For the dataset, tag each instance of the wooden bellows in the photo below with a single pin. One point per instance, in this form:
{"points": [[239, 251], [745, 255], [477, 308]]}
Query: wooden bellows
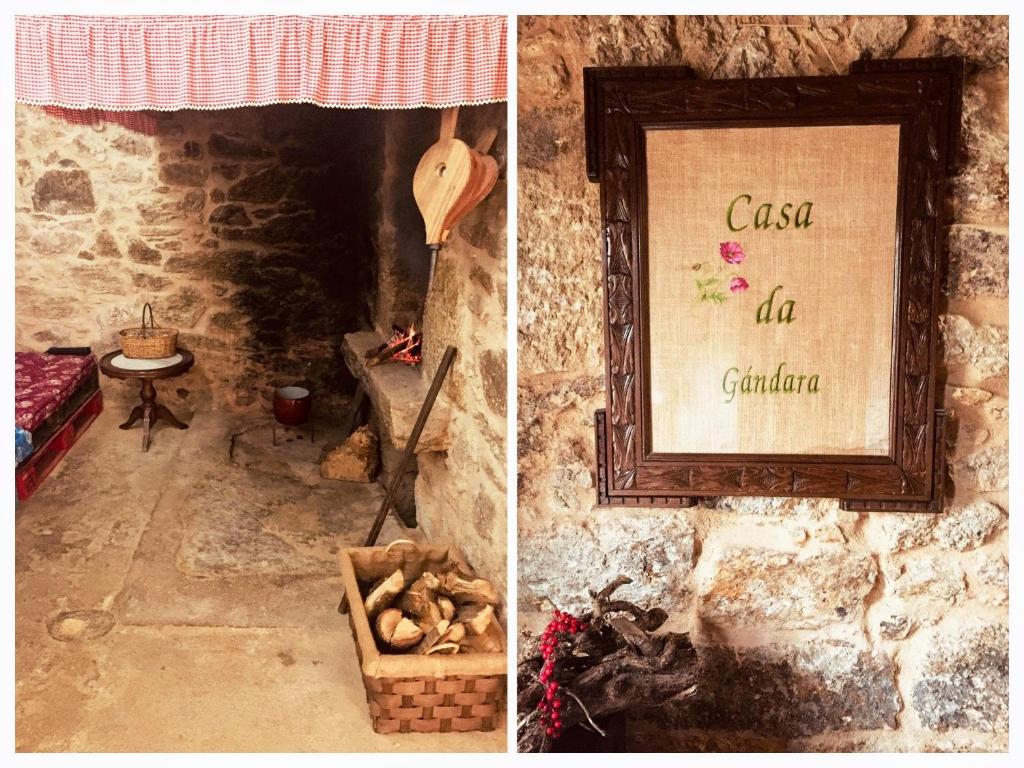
{"points": [[452, 178]]}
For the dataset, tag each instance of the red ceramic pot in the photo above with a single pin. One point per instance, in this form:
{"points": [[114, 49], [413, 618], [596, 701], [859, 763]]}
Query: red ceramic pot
{"points": [[292, 405]]}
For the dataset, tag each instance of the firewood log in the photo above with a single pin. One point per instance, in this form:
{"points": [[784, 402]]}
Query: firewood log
{"points": [[483, 631], [432, 637], [447, 607], [446, 648], [617, 664], [420, 601], [396, 630], [456, 634], [382, 595], [463, 589]]}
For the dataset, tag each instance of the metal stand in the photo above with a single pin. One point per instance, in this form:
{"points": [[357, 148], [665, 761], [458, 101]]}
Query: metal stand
{"points": [[354, 417]]}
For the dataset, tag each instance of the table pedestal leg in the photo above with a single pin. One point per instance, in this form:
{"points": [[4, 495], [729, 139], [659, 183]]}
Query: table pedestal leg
{"points": [[150, 411], [148, 392], [136, 414]]}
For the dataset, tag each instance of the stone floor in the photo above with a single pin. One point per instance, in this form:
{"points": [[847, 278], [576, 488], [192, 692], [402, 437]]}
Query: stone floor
{"points": [[185, 598]]}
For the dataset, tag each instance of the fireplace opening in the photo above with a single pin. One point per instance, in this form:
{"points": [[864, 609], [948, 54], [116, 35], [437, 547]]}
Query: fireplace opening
{"points": [[285, 246]]}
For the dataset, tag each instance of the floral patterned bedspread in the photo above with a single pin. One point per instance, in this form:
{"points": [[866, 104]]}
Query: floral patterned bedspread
{"points": [[42, 382]]}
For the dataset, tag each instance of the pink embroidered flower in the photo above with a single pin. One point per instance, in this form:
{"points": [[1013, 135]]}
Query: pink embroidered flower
{"points": [[738, 284], [732, 252]]}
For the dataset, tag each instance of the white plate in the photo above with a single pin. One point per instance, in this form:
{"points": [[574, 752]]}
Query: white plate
{"points": [[134, 364]]}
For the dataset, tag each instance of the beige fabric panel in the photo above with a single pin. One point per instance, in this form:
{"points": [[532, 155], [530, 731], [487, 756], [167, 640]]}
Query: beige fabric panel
{"points": [[838, 271]]}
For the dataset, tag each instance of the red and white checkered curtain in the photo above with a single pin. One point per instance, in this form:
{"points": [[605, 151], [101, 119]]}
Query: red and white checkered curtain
{"points": [[119, 63]]}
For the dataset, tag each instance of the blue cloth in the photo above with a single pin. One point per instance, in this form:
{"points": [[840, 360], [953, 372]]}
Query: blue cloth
{"points": [[22, 444]]}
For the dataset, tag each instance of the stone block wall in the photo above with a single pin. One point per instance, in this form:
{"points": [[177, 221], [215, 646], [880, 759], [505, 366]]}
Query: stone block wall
{"points": [[460, 493], [248, 229], [819, 629]]}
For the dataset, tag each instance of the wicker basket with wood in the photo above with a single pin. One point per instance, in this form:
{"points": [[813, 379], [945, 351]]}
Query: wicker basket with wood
{"points": [[422, 672], [149, 342]]}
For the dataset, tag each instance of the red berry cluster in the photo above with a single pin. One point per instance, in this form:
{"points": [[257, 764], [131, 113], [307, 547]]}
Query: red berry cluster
{"points": [[558, 629]]}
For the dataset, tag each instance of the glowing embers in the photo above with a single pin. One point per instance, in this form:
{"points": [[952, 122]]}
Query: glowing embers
{"points": [[404, 346]]}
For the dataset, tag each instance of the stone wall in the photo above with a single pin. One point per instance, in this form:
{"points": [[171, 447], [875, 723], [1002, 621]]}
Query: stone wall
{"points": [[820, 629], [461, 493], [248, 229]]}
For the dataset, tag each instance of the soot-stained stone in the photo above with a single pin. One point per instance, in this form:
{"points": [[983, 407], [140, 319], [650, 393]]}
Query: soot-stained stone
{"points": [[227, 171], [303, 155], [160, 212], [234, 146], [964, 680], [63, 192], [282, 229], [106, 246], [292, 206], [266, 186], [230, 322], [141, 253], [788, 691], [193, 202], [481, 277], [230, 214], [181, 309], [494, 377], [184, 174], [151, 282]]}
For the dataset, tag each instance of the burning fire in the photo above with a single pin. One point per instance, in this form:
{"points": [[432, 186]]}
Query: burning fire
{"points": [[409, 344]]}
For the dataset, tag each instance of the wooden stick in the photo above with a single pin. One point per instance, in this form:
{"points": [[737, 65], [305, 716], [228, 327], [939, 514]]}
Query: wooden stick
{"points": [[485, 140], [449, 117], [410, 445]]}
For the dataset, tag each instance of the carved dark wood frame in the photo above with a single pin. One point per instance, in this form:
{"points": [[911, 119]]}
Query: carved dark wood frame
{"points": [[922, 96]]}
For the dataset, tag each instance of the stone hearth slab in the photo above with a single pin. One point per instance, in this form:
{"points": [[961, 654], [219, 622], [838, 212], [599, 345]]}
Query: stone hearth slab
{"points": [[232, 546], [295, 456], [397, 392]]}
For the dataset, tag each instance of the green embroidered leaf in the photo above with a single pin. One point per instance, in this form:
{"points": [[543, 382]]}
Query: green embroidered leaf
{"points": [[708, 290]]}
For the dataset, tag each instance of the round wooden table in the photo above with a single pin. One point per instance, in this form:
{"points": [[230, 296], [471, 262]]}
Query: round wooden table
{"points": [[149, 410]]}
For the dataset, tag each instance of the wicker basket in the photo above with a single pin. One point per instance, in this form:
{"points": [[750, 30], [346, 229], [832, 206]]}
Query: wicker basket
{"points": [[412, 693], [149, 342]]}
